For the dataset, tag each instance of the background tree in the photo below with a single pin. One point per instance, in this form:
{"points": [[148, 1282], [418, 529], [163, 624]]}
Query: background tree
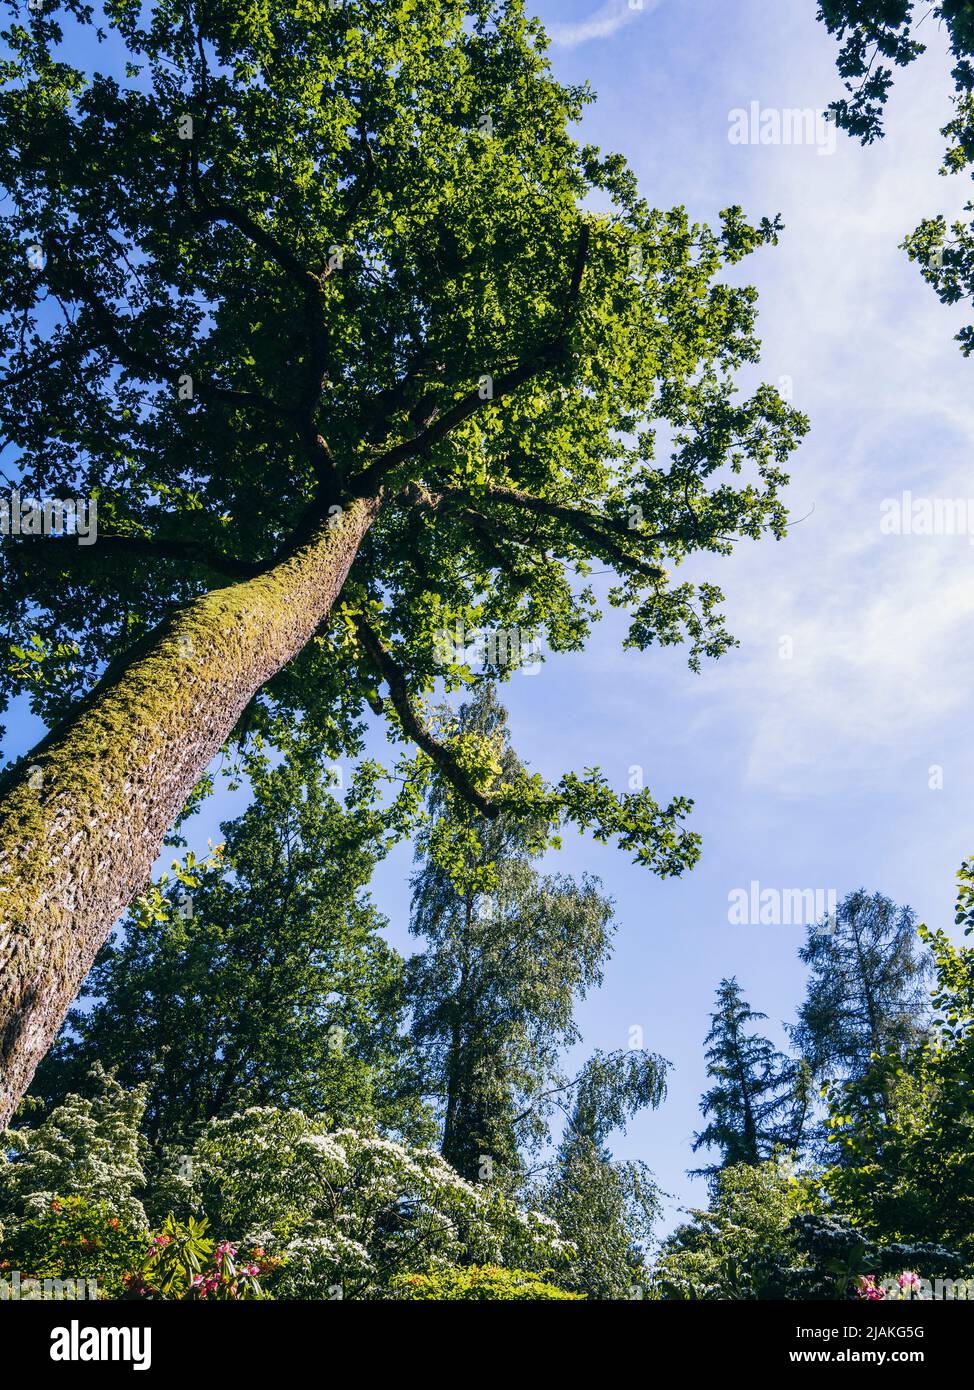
{"points": [[725, 1251], [875, 38], [758, 1101], [905, 1170], [508, 953], [306, 296], [263, 979], [768, 1235], [606, 1209], [867, 986]]}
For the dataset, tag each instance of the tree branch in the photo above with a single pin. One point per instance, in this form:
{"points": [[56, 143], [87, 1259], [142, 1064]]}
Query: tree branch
{"points": [[363, 185], [603, 533], [317, 339], [462, 410], [221, 211], [150, 368], [394, 677], [542, 1096], [50, 353], [394, 398], [474, 400]]}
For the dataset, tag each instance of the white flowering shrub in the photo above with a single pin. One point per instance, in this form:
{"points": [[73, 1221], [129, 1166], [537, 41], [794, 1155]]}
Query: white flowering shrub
{"points": [[89, 1148], [347, 1212], [340, 1214]]}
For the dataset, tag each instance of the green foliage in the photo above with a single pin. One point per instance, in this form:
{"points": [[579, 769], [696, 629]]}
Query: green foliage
{"points": [[727, 1251], [610, 1089], [74, 1238], [71, 1207], [867, 987], [605, 1211], [183, 1262], [508, 953], [769, 1235], [310, 253], [828, 1258], [303, 1212], [34, 664], [479, 1282], [258, 976], [904, 1170], [176, 1256], [870, 33]]}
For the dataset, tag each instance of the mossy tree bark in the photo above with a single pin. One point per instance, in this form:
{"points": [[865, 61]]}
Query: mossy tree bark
{"points": [[84, 817]]}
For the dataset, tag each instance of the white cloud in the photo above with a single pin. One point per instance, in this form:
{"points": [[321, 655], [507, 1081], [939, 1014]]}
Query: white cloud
{"points": [[881, 674], [878, 671], [813, 769], [606, 21]]}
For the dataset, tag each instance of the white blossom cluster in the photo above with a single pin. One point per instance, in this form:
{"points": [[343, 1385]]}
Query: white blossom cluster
{"points": [[343, 1212], [348, 1210], [85, 1147]]}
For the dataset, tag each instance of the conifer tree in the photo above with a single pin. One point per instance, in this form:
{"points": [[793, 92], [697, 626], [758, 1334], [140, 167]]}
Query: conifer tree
{"points": [[758, 1099], [867, 987]]}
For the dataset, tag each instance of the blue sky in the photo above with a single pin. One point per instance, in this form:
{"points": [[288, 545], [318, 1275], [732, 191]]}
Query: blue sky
{"points": [[812, 771]]}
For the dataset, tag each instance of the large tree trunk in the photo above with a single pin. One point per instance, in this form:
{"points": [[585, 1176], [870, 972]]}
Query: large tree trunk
{"points": [[82, 822]]}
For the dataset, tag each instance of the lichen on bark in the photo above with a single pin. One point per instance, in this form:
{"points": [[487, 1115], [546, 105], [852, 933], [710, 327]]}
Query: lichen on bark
{"points": [[84, 817]]}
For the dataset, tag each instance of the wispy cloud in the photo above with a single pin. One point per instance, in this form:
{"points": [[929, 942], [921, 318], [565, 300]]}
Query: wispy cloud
{"points": [[612, 16], [810, 760]]}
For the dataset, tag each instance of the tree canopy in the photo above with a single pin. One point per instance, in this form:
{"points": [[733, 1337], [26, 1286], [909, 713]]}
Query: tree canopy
{"points": [[867, 986], [358, 350], [297, 252]]}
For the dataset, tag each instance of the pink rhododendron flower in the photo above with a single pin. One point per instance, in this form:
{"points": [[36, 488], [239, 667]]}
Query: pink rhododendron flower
{"points": [[868, 1288]]}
